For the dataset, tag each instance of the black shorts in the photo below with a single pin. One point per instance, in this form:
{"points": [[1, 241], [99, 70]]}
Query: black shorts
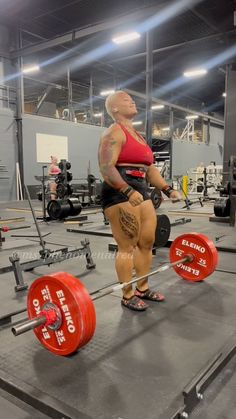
{"points": [[110, 196]]}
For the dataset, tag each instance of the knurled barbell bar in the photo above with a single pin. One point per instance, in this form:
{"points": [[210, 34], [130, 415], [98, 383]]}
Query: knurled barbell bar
{"points": [[61, 311]]}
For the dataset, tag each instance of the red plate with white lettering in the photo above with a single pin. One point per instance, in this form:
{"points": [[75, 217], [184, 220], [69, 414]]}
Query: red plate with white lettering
{"points": [[204, 253], [76, 308]]}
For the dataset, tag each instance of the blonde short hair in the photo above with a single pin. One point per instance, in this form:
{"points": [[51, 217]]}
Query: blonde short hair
{"points": [[109, 103]]}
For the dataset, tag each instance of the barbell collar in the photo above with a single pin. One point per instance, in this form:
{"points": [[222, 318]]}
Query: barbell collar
{"points": [[50, 316]]}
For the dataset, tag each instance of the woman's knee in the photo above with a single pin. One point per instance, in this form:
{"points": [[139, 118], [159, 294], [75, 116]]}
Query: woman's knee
{"points": [[146, 242]]}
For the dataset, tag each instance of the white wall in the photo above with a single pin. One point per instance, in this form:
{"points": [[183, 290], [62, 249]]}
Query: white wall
{"points": [[83, 143], [187, 155]]}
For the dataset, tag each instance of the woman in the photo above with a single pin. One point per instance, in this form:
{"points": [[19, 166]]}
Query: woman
{"points": [[126, 164], [53, 171]]}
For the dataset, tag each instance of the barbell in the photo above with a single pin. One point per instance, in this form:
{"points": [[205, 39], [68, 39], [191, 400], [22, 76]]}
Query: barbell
{"points": [[61, 311]]}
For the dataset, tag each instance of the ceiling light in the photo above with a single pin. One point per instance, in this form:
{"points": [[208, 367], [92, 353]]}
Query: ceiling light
{"points": [[137, 123], [166, 129], [107, 92], [192, 117], [224, 94], [121, 39], [157, 107], [195, 73], [97, 115], [30, 69]]}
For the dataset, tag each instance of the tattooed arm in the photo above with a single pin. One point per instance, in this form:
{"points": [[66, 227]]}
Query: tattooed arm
{"points": [[109, 149]]}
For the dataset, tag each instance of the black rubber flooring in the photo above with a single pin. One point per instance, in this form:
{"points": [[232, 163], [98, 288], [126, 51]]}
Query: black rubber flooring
{"points": [[219, 400], [137, 363], [13, 408]]}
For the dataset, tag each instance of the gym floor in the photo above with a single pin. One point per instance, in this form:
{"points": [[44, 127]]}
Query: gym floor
{"points": [[137, 364]]}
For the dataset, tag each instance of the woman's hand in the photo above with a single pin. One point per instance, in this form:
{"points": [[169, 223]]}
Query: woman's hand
{"points": [[135, 198], [175, 196]]}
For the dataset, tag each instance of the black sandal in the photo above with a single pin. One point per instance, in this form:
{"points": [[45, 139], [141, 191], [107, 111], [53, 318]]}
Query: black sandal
{"points": [[149, 295], [134, 303]]}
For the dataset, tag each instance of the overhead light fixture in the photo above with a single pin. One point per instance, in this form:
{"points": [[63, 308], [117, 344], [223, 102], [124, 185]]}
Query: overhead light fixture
{"points": [[30, 69], [192, 117], [166, 129], [137, 123], [154, 107], [97, 115], [121, 39], [195, 73], [107, 92], [224, 94]]}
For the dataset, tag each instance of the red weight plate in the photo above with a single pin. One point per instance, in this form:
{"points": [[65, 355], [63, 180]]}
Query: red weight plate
{"points": [[76, 307], [204, 253]]}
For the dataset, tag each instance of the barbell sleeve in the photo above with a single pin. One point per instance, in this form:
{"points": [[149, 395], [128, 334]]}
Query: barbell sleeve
{"points": [[162, 268], [28, 325]]}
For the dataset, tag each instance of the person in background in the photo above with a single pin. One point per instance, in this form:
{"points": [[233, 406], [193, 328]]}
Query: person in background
{"points": [[127, 165], [53, 171]]}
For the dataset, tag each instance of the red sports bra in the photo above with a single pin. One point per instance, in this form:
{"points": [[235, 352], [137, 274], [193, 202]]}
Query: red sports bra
{"points": [[135, 152], [55, 170]]}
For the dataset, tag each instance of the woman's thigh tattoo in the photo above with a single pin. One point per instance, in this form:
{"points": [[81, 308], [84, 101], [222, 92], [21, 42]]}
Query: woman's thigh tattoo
{"points": [[129, 224]]}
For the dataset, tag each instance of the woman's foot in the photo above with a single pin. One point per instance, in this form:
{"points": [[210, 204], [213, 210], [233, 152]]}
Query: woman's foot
{"points": [[149, 295], [134, 303]]}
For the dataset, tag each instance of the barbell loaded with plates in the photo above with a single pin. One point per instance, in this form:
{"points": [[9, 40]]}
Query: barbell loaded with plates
{"points": [[61, 311]]}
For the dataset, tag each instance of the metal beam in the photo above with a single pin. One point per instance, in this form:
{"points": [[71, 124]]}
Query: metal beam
{"points": [[204, 20], [149, 85], [4, 54], [57, 9], [18, 116], [57, 86], [174, 106], [81, 33], [230, 119], [169, 47], [171, 124], [42, 98]]}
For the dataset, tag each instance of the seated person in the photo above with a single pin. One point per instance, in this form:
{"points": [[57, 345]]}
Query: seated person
{"points": [[53, 171]]}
